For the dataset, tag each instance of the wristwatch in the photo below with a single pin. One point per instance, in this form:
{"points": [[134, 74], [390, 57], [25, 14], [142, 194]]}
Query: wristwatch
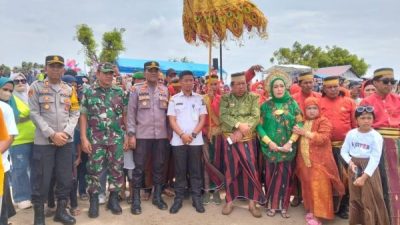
{"points": [[131, 134], [194, 135]]}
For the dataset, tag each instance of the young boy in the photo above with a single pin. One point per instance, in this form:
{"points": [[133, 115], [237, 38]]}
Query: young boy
{"points": [[362, 151]]}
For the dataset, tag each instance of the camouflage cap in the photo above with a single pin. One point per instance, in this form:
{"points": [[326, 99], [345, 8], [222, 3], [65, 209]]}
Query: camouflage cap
{"points": [[105, 67]]}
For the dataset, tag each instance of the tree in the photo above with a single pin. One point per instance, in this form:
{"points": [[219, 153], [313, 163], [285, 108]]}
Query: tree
{"points": [[185, 59], [317, 57], [27, 67], [112, 44]]}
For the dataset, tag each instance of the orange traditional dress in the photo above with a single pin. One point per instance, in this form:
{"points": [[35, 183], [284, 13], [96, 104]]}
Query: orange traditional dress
{"points": [[316, 167]]}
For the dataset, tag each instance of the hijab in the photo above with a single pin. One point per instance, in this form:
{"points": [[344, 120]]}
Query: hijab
{"points": [[285, 98], [312, 101], [11, 101], [21, 95]]}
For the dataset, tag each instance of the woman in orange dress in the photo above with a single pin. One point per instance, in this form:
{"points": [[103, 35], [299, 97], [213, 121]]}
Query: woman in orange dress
{"points": [[315, 166]]}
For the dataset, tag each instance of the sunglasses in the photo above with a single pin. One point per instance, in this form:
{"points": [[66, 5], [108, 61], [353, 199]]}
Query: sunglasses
{"points": [[388, 80], [367, 108], [17, 81]]}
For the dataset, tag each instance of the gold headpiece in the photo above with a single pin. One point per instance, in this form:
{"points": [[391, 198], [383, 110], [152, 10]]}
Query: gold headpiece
{"points": [[277, 73]]}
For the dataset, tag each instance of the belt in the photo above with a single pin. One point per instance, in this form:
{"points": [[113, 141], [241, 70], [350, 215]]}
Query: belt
{"points": [[245, 138], [337, 144], [389, 132]]}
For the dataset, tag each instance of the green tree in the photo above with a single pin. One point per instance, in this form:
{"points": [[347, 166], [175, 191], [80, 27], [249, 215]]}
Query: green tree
{"points": [[317, 57], [112, 44], [26, 67], [185, 59]]}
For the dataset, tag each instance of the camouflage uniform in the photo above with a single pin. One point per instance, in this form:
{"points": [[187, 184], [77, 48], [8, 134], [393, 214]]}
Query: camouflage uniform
{"points": [[105, 108]]}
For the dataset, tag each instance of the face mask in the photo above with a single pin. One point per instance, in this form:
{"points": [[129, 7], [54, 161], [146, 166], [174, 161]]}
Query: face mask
{"points": [[5, 95]]}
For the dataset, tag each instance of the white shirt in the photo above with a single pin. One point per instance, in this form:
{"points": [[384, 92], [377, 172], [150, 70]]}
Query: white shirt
{"points": [[9, 119], [363, 145], [187, 110]]}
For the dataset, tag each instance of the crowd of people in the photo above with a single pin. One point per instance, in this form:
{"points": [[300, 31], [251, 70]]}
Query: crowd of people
{"points": [[273, 143]]}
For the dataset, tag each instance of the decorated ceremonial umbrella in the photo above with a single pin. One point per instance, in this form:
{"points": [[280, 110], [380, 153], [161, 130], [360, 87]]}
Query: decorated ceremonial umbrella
{"points": [[215, 21]]}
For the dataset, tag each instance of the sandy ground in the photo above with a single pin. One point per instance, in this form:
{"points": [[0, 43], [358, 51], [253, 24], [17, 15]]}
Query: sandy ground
{"points": [[186, 216]]}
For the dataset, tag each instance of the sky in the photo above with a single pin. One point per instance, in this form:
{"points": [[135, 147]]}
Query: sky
{"points": [[32, 29]]}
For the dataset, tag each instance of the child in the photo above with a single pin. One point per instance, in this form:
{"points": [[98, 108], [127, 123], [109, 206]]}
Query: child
{"points": [[362, 150]]}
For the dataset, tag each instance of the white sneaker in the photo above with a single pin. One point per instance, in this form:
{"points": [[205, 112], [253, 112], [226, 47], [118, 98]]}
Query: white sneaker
{"points": [[102, 199], [24, 204]]}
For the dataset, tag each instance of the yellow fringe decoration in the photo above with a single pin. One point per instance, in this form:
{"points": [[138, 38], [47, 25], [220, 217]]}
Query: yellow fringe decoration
{"points": [[208, 20], [305, 144]]}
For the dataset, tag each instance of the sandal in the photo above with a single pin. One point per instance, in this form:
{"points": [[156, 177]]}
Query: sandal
{"points": [[285, 214], [309, 216], [314, 221], [75, 211], [271, 212]]}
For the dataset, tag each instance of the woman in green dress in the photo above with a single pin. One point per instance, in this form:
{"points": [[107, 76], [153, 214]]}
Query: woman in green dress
{"points": [[278, 117]]}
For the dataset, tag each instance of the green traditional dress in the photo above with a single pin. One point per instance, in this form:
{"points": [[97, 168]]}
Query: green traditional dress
{"points": [[278, 116]]}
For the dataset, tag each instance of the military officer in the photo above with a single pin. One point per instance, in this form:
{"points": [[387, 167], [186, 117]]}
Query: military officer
{"points": [[103, 110], [147, 131], [55, 112]]}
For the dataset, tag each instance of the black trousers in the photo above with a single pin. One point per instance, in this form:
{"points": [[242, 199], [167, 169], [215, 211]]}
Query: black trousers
{"points": [[158, 149], [45, 159], [188, 161]]}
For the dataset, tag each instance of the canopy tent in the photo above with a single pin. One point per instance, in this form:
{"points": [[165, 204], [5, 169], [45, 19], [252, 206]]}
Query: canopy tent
{"points": [[126, 65]]}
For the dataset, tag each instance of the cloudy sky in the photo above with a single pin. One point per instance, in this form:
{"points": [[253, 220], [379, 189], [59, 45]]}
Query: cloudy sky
{"points": [[32, 29]]}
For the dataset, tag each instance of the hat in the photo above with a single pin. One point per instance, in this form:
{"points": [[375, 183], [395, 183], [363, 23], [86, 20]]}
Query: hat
{"points": [[332, 80], [383, 72], [105, 67], [151, 64], [52, 59], [68, 79], [138, 75], [170, 71], [306, 76]]}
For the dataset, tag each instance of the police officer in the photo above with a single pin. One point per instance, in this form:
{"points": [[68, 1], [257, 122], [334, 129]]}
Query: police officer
{"points": [[55, 112], [187, 113], [103, 109], [147, 131]]}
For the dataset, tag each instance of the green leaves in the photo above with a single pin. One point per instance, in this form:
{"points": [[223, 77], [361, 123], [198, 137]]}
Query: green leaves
{"points": [[317, 57], [112, 44]]}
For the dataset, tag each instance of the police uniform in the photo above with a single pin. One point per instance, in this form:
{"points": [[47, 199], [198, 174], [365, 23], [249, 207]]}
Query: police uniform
{"points": [[54, 108], [187, 156], [147, 121]]}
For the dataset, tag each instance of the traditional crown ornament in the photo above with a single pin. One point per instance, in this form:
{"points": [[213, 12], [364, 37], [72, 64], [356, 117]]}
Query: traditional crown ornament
{"points": [[277, 73]]}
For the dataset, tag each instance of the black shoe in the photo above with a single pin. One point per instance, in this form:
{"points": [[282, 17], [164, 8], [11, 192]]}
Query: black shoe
{"points": [[343, 213], [61, 214], [38, 210], [198, 205], [135, 206], [93, 206], [176, 206], [157, 199], [113, 203]]}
